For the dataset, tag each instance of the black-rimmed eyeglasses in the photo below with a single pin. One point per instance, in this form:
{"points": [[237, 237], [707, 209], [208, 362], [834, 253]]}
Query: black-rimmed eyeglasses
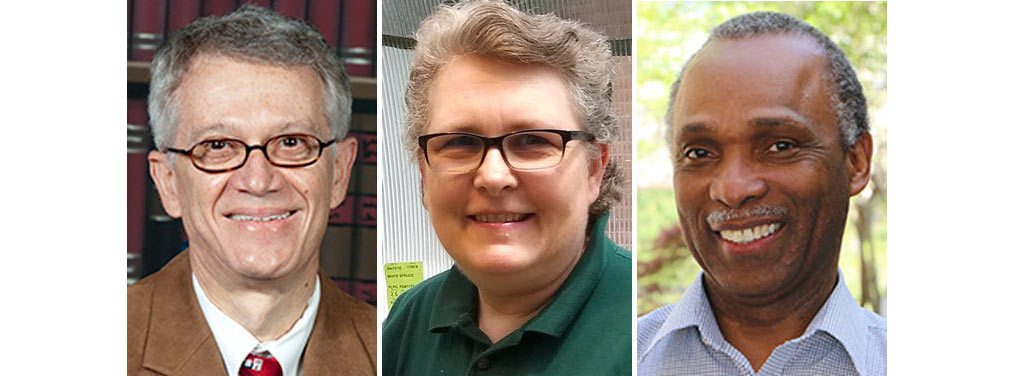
{"points": [[530, 149], [226, 154]]}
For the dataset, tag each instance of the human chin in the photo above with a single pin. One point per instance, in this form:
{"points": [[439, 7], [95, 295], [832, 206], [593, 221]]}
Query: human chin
{"points": [[263, 244], [497, 244], [494, 260]]}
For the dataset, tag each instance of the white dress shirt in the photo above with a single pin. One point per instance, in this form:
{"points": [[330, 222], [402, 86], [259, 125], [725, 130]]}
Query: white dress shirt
{"points": [[235, 342]]}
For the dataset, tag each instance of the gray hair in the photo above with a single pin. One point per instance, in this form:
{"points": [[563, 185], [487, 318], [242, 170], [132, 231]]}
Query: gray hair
{"points": [[253, 34], [847, 99], [494, 29], [720, 216]]}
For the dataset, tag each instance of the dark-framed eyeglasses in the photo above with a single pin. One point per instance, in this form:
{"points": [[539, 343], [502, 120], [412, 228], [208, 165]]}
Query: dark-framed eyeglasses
{"points": [[530, 149], [226, 154]]}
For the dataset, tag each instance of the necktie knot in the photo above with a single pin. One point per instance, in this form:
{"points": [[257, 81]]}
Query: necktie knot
{"points": [[260, 364]]}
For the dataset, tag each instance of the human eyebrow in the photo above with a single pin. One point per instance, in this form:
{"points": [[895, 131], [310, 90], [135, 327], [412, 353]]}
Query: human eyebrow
{"points": [[298, 126], [791, 122], [217, 129], [696, 128], [453, 127]]}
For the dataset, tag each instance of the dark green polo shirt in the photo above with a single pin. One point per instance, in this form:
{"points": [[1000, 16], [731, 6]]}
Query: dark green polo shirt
{"points": [[584, 330]]}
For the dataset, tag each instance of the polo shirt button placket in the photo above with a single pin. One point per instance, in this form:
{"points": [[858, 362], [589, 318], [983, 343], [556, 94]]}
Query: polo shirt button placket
{"points": [[483, 364]]}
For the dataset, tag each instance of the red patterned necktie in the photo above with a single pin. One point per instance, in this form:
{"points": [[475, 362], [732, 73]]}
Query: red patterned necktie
{"points": [[260, 364]]}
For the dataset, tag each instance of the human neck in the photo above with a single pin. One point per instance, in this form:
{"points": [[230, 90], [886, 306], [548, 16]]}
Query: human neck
{"points": [[502, 312], [757, 328], [267, 309]]}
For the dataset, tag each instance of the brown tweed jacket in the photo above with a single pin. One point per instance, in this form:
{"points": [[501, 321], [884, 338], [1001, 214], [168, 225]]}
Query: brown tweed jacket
{"points": [[168, 335]]}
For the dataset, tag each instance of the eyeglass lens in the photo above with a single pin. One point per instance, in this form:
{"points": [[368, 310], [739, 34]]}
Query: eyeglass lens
{"points": [[457, 153], [284, 150]]}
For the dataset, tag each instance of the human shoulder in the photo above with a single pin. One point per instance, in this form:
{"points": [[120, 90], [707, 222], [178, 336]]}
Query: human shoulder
{"points": [[356, 309], [877, 336], [139, 311], [620, 252], [874, 321], [616, 278], [419, 298], [618, 260], [649, 326]]}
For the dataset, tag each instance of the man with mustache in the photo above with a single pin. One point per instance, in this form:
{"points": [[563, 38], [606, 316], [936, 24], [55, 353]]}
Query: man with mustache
{"points": [[769, 138]]}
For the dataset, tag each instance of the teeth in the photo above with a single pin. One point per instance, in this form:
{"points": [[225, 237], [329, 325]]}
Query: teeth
{"points": [[491, 218], [751, 234], [241, 217]]}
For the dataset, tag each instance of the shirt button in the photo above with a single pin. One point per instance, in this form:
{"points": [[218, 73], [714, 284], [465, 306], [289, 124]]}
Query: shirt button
{"points": [[483, 363]]}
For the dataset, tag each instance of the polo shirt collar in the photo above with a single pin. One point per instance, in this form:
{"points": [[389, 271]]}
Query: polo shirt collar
{"points": [[455, 304]]}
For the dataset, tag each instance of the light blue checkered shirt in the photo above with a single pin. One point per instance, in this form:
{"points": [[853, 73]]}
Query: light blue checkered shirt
{"points": [[684, 339]]}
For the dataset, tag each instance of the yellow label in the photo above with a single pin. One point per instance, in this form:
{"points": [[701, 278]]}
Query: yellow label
{"points": [[401, 276]]}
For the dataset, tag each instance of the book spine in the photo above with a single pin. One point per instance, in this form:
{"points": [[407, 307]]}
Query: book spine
{"points": [[137, 178], [292, 8], [182, 13], [217, 7], [324, 15], [359, 18], [164, 235], [130, 28], [149, 27]]}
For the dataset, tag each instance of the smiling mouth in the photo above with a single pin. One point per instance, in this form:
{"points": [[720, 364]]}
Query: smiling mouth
{"points": [[500, 218], [277, 217], [751, 234]]}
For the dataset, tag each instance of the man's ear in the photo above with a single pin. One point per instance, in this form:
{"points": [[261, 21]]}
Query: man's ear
{"points": [[858, 163], [165, 181], [597, 169], [345, 155]]}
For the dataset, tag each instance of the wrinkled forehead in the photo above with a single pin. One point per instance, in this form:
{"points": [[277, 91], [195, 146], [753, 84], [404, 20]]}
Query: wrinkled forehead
{"points": [[224, 91], [769, 71]]}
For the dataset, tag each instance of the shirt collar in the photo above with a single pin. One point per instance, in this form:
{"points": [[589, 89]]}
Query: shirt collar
{"points": [[455, 304], [693, 310], [846, 321], [840, 316], [235, 342]]}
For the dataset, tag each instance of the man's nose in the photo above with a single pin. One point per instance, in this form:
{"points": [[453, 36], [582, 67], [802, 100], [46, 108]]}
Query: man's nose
{"points": [[257, 176], [737, 181], [494, 175]]}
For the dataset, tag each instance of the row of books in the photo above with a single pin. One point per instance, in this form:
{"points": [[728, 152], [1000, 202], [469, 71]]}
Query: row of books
{"points": [[349, 26]]}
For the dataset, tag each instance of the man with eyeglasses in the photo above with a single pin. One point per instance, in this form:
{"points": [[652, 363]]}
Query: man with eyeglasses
{"points": [[509, 122], [249, 115]]}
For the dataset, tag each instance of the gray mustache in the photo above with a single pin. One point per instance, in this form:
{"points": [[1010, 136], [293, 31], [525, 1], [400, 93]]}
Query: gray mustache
{"points": [[728, 215]]}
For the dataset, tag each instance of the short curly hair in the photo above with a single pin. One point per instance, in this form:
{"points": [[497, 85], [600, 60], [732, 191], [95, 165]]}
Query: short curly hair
{"points": [[494, 29]]}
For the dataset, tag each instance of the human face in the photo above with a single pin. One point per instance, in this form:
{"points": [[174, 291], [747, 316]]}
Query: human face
{"points": [[260, 221], [499, 224], [757, 149]]}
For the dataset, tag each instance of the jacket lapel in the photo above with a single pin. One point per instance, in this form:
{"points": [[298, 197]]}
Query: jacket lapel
{"points": [[338, 341], [179, 340]]}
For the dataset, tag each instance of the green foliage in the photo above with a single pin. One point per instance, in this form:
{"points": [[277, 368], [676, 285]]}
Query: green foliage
{"points": [[667, 35], [665, 267]]}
